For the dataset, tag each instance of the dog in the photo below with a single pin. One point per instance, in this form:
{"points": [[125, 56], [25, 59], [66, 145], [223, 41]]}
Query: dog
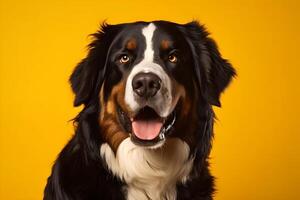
{"points": [[146, 127]]}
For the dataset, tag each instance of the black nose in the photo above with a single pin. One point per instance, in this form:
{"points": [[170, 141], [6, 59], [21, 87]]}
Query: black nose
{"points": [[146, 85]]}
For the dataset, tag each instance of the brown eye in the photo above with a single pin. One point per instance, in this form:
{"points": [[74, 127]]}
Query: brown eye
{"points": [[172, 58], [124, 59]]}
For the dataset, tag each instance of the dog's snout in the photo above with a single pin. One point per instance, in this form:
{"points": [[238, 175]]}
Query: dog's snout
{"points": [[146, 85]]}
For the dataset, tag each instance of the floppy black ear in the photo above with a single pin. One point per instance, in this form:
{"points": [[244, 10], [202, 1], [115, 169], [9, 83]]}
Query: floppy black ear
{"points": [[88, 75], [81, 81], [213, 72], [220, 72]]}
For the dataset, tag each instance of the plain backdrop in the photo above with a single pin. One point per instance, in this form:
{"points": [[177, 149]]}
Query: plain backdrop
{"points": [[255, 153]]}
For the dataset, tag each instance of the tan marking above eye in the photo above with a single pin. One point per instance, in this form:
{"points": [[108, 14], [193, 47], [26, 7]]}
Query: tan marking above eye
{"points": [[124, 59], [131, 44], [173, 58], [165, 44]]}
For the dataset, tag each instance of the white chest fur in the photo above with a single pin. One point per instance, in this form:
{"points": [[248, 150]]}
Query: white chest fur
{"points": [[149, 173]]}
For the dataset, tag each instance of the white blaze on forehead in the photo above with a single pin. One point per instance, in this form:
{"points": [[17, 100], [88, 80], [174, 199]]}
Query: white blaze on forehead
{"points": [[148, 34], [163, 99]]}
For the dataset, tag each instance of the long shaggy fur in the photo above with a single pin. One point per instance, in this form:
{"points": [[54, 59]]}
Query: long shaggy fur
{"points": [[88, 169]]}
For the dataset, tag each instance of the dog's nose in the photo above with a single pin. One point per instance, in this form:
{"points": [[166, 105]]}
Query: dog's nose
{"points": [[146, 85]]}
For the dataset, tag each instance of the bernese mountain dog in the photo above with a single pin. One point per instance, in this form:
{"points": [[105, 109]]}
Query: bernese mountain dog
{"points": [[146, 127]]}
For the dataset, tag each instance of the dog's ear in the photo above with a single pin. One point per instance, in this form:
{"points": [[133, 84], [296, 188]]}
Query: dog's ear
{"points": [[213, 72], [89, 74]]}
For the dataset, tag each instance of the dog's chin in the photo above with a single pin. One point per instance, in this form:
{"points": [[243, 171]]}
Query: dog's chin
{"points": [[146, 128]]}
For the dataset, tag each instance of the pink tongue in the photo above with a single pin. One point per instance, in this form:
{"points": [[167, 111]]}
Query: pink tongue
{"points": [[146, 129]]}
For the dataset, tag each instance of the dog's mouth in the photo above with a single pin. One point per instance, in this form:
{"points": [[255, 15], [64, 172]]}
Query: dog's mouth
{"points": [[147, 128]]}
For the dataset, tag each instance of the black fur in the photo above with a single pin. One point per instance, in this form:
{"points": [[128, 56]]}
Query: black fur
{"points": [[79, 173], [216, 72]]}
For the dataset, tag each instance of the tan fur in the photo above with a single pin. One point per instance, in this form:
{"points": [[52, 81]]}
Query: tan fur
{"points": [[131, 44], [165, 44], [112, 131]]}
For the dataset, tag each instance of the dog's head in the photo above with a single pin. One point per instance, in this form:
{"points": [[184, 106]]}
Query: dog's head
{"points": [[149, 79]]}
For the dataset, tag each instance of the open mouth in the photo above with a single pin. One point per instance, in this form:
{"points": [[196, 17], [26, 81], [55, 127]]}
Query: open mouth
{"points": [[147, 128]]}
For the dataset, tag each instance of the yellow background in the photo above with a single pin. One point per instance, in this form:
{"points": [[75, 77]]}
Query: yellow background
{"points": [[256, 152]]}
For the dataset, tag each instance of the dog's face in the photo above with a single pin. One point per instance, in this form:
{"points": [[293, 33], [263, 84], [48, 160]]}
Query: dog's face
{"points": [[149, 78], [151, 68]]}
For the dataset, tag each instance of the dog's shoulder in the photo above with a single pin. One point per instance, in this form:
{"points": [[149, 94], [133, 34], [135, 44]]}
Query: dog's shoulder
{"points": [[76, 173]]}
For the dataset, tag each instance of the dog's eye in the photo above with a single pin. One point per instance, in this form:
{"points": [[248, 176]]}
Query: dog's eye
{"points": [[124, 59], [173, 58]]}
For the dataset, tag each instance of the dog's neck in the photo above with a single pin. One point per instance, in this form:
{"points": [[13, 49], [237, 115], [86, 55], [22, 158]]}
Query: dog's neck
{"points": [[149, 173]]}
